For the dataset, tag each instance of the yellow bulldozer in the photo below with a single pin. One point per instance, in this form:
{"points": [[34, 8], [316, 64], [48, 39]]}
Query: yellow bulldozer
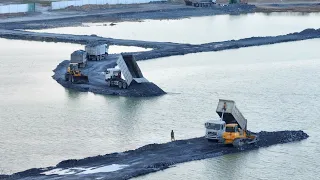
{"points": [[238, 137], [74, 75]]}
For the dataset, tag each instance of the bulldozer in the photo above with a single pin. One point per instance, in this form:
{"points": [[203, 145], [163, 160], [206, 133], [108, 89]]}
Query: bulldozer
{"points": [[236, 132], [238, 137], [74, 75]]}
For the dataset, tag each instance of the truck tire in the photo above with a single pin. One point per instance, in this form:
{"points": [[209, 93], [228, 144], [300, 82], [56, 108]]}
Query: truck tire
{"points": [[120, 84], [124, 85], [196, 4], [72, 79]]}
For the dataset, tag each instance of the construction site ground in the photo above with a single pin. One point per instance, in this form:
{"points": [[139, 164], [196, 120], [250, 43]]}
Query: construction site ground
{"points": [[150, 158], [101, 13], [95, 69], [95, 72]]}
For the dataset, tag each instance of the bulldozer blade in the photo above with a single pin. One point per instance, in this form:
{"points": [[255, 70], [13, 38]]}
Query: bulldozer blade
{"points": [[80, 79]]}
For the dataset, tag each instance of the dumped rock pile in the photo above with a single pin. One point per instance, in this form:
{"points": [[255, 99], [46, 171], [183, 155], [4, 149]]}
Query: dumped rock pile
{"points": [[97, 84], [155, 157]]}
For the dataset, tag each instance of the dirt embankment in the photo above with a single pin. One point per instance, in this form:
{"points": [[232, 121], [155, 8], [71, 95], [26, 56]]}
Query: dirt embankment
{"points": [[298, 6], [46, 18], [95, 71], [141, 12], [161, 49], [150, 158]]}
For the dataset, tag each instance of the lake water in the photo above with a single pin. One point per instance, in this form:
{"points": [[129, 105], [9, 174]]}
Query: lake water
{"points": [[275, 87], [198, 30]]}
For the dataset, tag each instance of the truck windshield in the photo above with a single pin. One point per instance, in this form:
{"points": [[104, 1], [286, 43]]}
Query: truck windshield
{"points": [[229, 129], [213, 126]]}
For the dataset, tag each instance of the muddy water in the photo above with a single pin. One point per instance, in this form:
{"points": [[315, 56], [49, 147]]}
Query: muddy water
{"points": [[276, 88], [43, 123], [199, 30]]}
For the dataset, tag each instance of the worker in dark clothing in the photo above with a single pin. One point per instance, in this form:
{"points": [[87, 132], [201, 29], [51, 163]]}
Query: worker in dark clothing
{"points": [[172, 136], [224, 106]]}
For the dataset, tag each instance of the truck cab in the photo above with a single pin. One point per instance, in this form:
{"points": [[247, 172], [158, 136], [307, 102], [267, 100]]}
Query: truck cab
{"points": [[113, 73], [74, 75], [233, 131], [214, 129], [113, 78], [73, 68]]}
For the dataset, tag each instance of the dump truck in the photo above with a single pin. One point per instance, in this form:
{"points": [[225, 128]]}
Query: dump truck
{"points": [[80, 57], [74, 75], [97, 51], [200, 3], [236, 132], [113, 78], [126, 72], [215, 129]]}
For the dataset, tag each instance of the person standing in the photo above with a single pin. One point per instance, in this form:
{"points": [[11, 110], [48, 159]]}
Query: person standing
{"points": [[172, 136]]}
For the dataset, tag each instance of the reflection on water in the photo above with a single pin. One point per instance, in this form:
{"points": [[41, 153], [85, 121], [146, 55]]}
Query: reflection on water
{"points": [[119, 49], [42, 123], [197, 30], [274, 86]]}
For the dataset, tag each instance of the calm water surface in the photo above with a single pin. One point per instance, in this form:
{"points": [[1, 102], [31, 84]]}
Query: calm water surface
{"points": [[276, 88], [197, 30]]}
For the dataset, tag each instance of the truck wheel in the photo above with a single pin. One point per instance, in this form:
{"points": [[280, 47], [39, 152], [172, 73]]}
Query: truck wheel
{"points": [[72, 79], [120, 84], [124, 85]]}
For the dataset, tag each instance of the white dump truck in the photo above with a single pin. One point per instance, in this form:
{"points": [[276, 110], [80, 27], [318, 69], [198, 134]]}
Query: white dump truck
{"points": [[79, 57], [215, 129], [97, 51], [125, 73]]}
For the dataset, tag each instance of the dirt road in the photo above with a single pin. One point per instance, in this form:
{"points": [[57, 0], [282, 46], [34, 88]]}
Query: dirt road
{"points": [[150, 158]]}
